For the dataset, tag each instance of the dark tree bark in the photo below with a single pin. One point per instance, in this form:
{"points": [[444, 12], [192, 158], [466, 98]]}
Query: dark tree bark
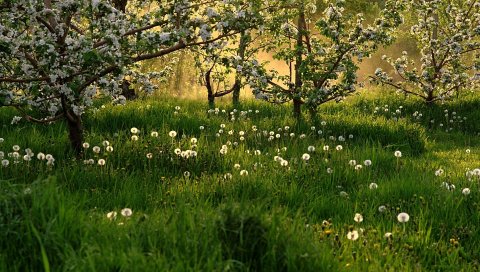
{"points": [[208, 85], [121, 5], [128, 92], [242, 48], [75, 132], [297, 101]]}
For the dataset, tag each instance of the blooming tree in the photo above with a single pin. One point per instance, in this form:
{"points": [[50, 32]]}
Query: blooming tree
{"points": [[322, 56], [218, 63], [58, 56], [448, 36]]}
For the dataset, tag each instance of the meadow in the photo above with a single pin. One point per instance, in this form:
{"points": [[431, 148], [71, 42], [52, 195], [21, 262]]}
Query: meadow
{"points": [[376, 183]]}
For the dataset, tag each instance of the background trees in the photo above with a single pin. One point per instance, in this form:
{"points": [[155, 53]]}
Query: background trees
{"points": [[448, 35], [322, 56], [57, 56]]}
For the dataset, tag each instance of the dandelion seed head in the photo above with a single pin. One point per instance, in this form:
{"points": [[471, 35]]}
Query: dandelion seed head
{"points": [[403, 217], [358, 218], [127, 212], [352, 235]]}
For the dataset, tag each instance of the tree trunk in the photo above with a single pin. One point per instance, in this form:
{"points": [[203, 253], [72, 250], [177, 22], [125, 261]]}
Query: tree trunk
{"points": [[120, 4], [297, 101], [430, 98], [297, 108], [75, 132], [238, 77], [128, 92], [208, 85]]}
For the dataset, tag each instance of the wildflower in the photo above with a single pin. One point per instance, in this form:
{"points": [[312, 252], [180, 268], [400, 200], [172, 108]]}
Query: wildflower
{"points": [[311, 148], [352, 235], [101, 162], [236, 166], [244, 173], [329, 170], [96, 149], [326, 147], [16, 148], [5, 163], [339, 147], [305, 157], [50, 162], [373, 186], [202, 127], [127, 212], [367, 162], [27, 158], [439, 172], [466, 191], [227, 176], [358, 167], [193, 141], [388, 235], [86, 145], [112, 215], [352, 162], [2, 140], [284, 163], [257, 152], [467, 151], [41, 156], [134, 138], [134, 130], [149, 155], [382, 209], [343, 194], [398, 154], [105, 143], [358, 218], [186, 174], [49, 157], [172, 134], [154, 134], [403, 217], [109, 148]]}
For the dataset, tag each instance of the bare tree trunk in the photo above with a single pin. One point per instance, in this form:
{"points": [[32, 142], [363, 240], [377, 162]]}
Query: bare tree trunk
{"points": [[75, 132], [297, 108], [121, 5], [297, 101], [211, 95], [238, 77], [128, 92]]}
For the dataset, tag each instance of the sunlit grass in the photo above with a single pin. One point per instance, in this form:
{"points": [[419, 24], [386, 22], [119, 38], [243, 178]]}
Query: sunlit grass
{"points": [[200, 213]]}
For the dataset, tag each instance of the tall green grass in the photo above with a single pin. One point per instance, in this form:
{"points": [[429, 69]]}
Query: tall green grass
{"points": [[276, 218]]}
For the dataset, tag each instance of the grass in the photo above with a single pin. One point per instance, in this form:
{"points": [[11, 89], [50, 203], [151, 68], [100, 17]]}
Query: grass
{"points": [[189, 215]]}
